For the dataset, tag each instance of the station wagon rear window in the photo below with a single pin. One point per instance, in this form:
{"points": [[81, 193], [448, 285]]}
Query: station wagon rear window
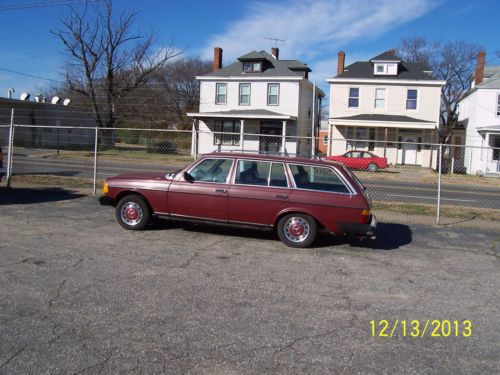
{"points": [[317, 178]]}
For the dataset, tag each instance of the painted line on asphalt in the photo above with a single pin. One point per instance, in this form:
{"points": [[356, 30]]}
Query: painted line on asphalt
{"points": [[420, 197]]}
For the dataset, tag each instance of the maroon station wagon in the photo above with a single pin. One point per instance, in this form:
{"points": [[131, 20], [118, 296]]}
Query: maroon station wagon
{"points": [[296, 196]]}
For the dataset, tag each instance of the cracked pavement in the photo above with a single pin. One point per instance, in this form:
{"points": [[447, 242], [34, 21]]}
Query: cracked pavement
{"points": [[81, 295]]}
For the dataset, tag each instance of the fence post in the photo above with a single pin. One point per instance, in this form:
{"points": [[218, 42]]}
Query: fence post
{"points": [[10, 153], [440, 158], [95, 159]]}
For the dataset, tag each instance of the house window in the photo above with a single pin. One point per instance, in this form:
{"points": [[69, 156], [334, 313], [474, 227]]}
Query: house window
{"points": [[350, 137], [223, 130], [353, 97], [325, 140], [411, 99], [495, 143], [244, 94], [498, 105], [380, 68], [361, 136], [273, 93], [220, 93], [251, 67], [371, 145], [379, 98]]}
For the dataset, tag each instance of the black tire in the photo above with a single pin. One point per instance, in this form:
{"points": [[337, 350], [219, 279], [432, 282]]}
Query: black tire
{"points": [[372, 167], [132, 212], [297, 230]]}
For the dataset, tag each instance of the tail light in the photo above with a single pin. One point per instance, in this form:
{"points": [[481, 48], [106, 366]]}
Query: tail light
{"points": [[365, 216]]}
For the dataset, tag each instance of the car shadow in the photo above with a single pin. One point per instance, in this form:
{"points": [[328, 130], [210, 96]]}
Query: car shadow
{"points": [[389, 236], [35, 195]]}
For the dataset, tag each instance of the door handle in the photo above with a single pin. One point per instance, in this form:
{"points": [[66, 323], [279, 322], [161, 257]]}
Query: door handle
{"points": [[220, 190], [281, 196]]}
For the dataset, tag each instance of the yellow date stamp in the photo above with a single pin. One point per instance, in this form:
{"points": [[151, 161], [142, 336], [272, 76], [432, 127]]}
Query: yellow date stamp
{"points": [[421, 328]]}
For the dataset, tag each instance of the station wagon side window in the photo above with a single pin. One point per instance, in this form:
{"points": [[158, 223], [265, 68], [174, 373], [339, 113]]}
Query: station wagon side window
{"points": [[212, 170], [251, 172], [260, 173], [317, 178]]}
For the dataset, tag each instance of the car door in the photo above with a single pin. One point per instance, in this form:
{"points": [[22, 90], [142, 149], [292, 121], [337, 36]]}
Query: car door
{"points": [[260, 189], [204, 193]]}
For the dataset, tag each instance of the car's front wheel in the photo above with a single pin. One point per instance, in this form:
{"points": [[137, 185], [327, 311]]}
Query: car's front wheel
{"points": [[297, 230], [132, 212], [372, 167]]}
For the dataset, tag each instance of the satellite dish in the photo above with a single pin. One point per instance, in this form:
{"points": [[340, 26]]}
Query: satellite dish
{"points": [[55, 100], [66, 101], [24, 96]]}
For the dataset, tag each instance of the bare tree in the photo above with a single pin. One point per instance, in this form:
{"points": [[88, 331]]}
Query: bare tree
{"points": [[452, 62], [107, 60]]}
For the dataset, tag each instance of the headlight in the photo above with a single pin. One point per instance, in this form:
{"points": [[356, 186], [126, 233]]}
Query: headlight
{"points": [[105, 187]]}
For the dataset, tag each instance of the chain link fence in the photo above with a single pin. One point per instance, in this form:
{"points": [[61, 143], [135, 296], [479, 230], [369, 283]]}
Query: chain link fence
{"points": [[81, 157]]}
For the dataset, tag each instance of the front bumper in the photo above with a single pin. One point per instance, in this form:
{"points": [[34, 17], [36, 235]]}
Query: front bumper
{"points": [[104, 200], [363, 230]]}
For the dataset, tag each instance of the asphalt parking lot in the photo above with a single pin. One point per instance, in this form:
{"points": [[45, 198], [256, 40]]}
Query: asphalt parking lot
{"points": [[80, 295]]}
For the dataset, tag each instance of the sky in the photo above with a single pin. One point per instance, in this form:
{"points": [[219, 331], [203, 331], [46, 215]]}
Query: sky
{"points": [[313, 31]]}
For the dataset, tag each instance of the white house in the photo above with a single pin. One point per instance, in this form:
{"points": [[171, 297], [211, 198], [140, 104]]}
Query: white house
{"points": [[257, 104], [479, 113], [385, 105]]}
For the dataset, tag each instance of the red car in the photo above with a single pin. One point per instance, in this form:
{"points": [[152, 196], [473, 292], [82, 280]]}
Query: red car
{"points": [[361, 160], [295, 196]]}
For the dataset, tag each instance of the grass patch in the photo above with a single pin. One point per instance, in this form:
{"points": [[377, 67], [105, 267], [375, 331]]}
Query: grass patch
{"points": [[454, 212]]}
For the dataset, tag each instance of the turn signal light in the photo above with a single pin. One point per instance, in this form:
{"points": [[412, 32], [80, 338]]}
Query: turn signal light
{"points": [[105, 187], [365, 215]]}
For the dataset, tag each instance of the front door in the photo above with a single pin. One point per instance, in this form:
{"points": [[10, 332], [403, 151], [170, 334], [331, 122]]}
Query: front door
{"points": [[270, 141], [410, 150], [205, 194]]}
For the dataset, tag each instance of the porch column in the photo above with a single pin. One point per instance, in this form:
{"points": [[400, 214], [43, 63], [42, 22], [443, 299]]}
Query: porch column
{"points": [[329, 147], [283, 138], [242, 131], [385, 142], [488, 151]]}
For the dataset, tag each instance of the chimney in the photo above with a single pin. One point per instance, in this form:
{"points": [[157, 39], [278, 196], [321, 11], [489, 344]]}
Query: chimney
{"points": [[340, 63], [217, 58], [391, 51], [275, 51], [479, 67]]}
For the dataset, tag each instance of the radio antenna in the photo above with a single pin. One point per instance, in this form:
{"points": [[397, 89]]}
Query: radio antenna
{"points": [[276, 41]]}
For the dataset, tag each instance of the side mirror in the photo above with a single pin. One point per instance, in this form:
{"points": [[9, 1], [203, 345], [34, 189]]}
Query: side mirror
{"points": [[188, 177]]}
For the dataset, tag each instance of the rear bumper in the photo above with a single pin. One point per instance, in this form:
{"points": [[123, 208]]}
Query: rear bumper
{"points": [[104, 200], [363, 230]]}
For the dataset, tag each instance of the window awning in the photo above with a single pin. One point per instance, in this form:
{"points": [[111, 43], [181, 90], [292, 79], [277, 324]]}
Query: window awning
{"points": [[489, 129]]}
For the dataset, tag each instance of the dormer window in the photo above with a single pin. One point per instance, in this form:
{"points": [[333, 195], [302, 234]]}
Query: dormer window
{"points": [[387, 69], [252, 66]]}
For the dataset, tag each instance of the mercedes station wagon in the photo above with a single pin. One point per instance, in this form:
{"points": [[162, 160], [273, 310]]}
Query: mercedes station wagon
{"points": [[294, 196]]}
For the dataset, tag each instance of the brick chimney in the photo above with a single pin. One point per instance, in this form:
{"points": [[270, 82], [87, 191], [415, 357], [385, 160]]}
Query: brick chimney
{"points": [[340, 63], [217, 58], [480, 67], [275, 51]]}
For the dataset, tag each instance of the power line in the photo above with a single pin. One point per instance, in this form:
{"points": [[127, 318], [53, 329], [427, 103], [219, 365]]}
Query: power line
{"points": [[29, 75], [44, 4]]}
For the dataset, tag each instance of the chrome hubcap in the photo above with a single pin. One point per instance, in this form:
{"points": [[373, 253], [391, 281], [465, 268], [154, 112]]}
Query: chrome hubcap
{"points": [[131, 213], [296, 229]]}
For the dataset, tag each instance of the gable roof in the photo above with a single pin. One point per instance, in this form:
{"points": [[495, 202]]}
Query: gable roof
{"points": [[274, 68], [386, 56]]}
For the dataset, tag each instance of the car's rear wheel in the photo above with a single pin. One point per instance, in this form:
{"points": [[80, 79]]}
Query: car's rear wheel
{"points": [[132, 212], [372, 167], [297, 230]]}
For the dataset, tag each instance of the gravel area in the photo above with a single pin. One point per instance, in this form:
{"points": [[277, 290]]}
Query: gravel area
{"points": [[80, 295]]}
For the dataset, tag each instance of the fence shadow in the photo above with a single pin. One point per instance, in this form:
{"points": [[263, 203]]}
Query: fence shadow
{"points": [[35, 195]]}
